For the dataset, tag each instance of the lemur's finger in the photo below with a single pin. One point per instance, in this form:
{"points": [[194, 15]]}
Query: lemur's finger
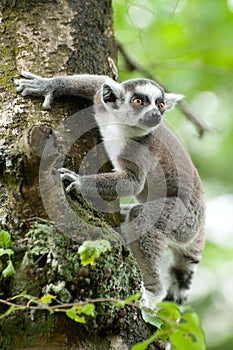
{"points": [[69, 177], [28, 91], [24, 82], [19, 88], [17, 81], [47, 102], [66, 171], [28, 75], [73, 186], [70, 188]]}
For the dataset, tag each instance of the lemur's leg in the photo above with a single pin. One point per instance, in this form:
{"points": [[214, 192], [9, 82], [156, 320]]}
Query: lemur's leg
{"points": [[181, 272], [180, 278], [125, 209], [170, 217], [148, 251], [153, 228]]}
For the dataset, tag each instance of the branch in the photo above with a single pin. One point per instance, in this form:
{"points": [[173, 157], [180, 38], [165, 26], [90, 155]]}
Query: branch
{"points": [[184, 108], [45, 307], [41, 304]]}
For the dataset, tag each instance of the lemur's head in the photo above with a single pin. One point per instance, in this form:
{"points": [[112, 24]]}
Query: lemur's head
{"points": [[138, 102]]}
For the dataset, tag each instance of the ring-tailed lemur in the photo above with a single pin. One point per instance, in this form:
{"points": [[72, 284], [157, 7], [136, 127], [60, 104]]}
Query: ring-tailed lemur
{"points": [[165, 230]]}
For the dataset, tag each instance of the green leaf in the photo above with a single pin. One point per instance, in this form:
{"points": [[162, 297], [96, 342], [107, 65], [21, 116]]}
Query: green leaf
{"points": [[75, 312], [170, 315], [169, 311], [144, 345], [6, 251], [9, 270], [128, 300], [46, 299], [8, 312], [150, 317], [90, 250], [24, 295], [189, 334], [5, 239], [88, 309], [74, 316]]}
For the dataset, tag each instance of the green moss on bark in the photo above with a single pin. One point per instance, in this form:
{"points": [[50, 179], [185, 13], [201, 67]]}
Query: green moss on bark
{"points": [[50, 264]]}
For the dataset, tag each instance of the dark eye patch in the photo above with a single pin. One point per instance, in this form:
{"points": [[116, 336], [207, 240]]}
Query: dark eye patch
{"points": [[161, 104], [159, 100], [143, 98]]}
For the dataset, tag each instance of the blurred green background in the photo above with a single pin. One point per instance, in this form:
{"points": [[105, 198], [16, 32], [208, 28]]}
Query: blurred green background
{"points": [[188, 45]]}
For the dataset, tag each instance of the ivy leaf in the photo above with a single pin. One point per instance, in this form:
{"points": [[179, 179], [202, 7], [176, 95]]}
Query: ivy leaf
{"points": [[170, 314], [144, 345], [8, 312], [6, 251], [169, 311], [88, 309], [25, 295], [150, 317], [128, 300], [75, 312], [46, 299], [72, 313], [189, 334], [90, 250], [5, 239], [9, 270]]}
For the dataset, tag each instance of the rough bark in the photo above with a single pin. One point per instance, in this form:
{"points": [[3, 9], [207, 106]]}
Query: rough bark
{"points": [[51, 37]]}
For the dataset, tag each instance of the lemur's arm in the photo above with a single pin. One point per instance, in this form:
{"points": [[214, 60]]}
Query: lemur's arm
{"points": [[83, 85], [107, 185]]}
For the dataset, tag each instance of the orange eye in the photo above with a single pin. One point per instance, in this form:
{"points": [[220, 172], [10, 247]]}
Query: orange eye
{"points": [[161, 106], [137, 102]]}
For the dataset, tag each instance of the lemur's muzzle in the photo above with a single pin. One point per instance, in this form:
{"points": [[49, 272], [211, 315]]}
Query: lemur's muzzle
{"points": [[151, 118]]}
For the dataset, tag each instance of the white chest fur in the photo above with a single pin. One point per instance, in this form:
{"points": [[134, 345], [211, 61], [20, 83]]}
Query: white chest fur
{"points": [[114, 141]]}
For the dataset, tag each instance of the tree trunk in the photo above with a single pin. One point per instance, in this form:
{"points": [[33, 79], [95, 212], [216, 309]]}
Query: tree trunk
{"points": [[50, 37]]}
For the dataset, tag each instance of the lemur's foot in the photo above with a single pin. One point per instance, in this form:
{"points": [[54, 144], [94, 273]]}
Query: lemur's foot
{"points": [[36, 86], [72, 177], [149, 299]]}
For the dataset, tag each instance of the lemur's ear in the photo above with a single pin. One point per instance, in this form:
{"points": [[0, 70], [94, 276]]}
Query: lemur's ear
{"points": [[171, 99], [112, 92]]}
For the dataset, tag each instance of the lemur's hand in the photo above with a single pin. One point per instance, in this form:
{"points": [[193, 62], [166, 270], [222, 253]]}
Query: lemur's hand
{"points": [[37, 86], [72, 177]]}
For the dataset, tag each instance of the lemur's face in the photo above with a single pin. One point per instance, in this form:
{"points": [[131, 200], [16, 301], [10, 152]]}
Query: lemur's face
{"points": [[138, 102]]}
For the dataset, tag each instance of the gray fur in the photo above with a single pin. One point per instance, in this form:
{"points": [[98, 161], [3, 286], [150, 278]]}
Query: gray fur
{"points": [[165, 230]]}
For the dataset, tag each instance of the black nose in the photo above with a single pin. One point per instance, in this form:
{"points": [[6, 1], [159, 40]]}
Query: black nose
{"points": [[156, 116], [150, 119]]}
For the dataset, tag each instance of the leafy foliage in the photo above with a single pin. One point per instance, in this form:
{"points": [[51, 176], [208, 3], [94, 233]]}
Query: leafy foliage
{"points": [[47, 299], [150, 316], [75, 312], [90, 250], [180, 327], [6, 268], [5, 240], [128, 300]]}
